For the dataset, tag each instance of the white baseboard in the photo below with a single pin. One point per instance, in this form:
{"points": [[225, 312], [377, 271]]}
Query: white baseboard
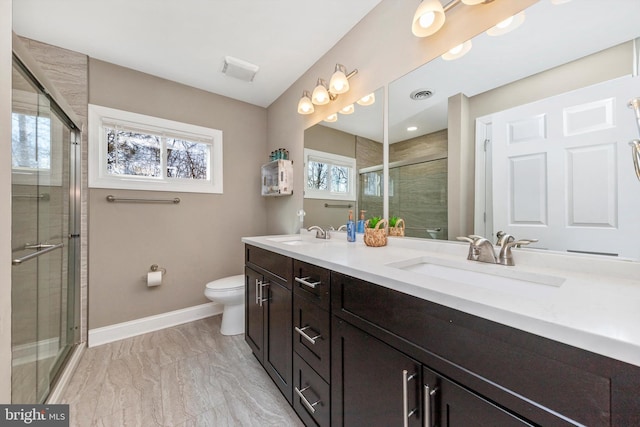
{"points": [[30, 352], [107, 334]]}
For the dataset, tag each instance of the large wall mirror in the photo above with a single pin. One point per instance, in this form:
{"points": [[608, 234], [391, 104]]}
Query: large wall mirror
{"points": [[550, 98], [343, 164]]}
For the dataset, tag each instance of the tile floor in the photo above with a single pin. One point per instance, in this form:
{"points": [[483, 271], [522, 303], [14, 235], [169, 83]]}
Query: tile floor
{"points": [[187, 375]]}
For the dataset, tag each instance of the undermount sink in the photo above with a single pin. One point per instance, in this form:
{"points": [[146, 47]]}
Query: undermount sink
{"points": [[488, 276], [295, 240]]}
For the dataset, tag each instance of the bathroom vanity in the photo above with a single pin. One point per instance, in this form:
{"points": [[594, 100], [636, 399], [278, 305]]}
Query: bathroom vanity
{"points": [[413, 334]]}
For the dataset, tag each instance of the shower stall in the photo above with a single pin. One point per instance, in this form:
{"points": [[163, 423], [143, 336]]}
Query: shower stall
{"points": [[44, 237]]}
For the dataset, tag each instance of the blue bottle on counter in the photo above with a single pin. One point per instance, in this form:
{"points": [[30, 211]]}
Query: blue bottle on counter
{"points": [[360, 227], [351, 228]]}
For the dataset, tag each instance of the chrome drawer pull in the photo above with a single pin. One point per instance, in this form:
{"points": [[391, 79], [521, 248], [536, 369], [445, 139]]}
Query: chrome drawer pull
{"points": [[405, 397], [305, 402], [304, 335], [304, 281], [428, 394], [260, 285]]}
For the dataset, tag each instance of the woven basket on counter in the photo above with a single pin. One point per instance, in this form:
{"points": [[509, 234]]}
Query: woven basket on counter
{"points": [[398, 230], [377, 236]]}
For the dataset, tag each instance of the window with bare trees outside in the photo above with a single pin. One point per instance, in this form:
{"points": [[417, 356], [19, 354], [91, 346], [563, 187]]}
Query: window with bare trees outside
{"points": [[133, 151], [329, 176]]}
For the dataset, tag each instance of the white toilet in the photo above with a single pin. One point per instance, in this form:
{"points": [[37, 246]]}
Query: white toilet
{"points": [[229, 291]]}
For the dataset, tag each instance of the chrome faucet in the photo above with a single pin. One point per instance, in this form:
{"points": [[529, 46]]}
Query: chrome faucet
{"points": [[503, 238], [506, 257], [321, 233], [480, 249]]}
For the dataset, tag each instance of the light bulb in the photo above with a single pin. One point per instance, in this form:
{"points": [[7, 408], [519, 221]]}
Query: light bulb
{"points": [[339, 83], [367, 100], [320, 94], [304, 105], [456, 50], [505, 23], [427, 19], [508, 25], [349, 109], [331, 118]]}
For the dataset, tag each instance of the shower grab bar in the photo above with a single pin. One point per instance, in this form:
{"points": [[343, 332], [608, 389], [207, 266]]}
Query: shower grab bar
{"points": [[41, 250], [114, 199], [327, 205], [43, 196]]}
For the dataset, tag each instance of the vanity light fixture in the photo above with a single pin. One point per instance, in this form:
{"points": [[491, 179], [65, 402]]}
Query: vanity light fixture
{"points": [[430, 15], [349, 109], [305, 106], [323, 94], [507, 25], [331, 118], [458, 51], [367, 100]]}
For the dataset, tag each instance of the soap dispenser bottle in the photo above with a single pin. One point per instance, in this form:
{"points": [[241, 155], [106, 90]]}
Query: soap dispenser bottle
{"points": [[351, 228], [360, 227]]}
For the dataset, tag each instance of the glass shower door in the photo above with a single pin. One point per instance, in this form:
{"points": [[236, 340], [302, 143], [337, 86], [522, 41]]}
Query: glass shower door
{"points": [[43, 288]]}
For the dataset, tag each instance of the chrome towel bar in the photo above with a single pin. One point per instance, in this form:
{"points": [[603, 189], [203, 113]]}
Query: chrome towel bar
{"points": [[114, 199]]}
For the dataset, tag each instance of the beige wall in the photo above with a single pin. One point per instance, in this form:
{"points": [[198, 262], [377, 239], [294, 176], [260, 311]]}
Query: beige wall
{"points": [[383, 49], [197, 240], [5, 200]]}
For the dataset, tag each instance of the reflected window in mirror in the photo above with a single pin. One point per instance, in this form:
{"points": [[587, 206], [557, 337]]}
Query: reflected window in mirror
{"points": [[329, 176]]}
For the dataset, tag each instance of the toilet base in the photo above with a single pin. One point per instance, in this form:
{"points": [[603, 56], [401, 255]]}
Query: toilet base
{"points": [[232, 320]]}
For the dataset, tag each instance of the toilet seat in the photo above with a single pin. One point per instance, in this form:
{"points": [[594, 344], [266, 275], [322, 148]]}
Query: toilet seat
{"points": [[227, 283]]}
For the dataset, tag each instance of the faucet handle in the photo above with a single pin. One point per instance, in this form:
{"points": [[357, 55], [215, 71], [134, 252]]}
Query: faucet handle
{"points": [[472, 238], [521, 242]]}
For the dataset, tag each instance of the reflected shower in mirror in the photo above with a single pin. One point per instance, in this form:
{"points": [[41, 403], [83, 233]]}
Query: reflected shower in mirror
{"points": [[343, 164], [566, 172]]}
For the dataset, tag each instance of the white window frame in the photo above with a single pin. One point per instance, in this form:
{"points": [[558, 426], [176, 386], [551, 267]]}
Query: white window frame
{"points": [[99, 178], [335, 160]]}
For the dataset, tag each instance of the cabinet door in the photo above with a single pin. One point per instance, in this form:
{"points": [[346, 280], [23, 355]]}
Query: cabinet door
{"points": [[254, 313], [372, 384], [278, 351], [446, 404]]}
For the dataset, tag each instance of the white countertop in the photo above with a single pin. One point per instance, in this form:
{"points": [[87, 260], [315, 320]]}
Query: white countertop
{"points": [[589, 302]]}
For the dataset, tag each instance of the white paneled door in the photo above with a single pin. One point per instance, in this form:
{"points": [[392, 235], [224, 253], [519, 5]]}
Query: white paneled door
{"points": [[562, 171]]}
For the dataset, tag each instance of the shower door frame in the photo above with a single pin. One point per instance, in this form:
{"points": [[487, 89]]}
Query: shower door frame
{"points": [[59, 107]]}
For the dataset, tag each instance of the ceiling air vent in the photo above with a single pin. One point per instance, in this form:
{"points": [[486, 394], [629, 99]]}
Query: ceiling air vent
{"points": [[420, 94], [239, 69]]}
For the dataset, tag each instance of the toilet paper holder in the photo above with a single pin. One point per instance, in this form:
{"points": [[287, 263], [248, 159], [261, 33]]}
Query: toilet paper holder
{"points": [[154, 267]]}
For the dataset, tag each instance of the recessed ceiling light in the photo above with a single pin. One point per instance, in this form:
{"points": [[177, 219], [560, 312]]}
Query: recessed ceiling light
{"points": [[412, 128]]}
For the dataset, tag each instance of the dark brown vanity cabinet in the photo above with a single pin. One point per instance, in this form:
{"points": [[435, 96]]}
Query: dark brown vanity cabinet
{"points": [[346, 352], [484, 373], [268, 308], [311, 343]]}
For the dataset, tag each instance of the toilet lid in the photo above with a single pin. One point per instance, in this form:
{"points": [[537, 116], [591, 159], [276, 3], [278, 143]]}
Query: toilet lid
{"points": [[231, 282]]}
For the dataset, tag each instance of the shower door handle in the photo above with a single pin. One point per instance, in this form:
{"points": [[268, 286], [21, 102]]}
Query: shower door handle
{"points": [[41, 250], [635, 152]]}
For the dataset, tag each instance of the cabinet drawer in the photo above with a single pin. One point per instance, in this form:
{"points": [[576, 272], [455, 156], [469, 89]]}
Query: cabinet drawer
{"points": [[311, 399], [311, 338], [312, 282], [270, 262]]}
